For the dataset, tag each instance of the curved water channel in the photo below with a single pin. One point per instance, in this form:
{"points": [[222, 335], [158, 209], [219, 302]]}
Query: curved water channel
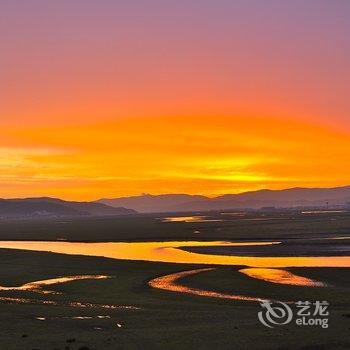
{"points": [[171, 252], [269, 269], [42, 285]]}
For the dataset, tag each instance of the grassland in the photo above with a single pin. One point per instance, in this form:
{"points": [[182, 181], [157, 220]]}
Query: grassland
{"points": [[267, 225], [163, 320]]}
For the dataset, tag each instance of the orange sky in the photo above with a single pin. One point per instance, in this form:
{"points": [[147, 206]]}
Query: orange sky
{"points": [[166, 155], [121, 98]]}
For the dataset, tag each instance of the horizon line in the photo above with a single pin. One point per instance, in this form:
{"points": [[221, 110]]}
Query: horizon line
{"points": [[176, 193]]}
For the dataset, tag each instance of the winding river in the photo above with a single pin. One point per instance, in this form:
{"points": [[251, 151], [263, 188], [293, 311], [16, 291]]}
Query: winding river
{"points": [[171, 252], [269, 269]]}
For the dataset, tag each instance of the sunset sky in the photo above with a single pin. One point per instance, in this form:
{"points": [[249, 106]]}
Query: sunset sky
{"points": [[106, 98]]}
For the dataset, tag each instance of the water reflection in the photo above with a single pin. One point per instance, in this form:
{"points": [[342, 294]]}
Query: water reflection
{"points": [[171, 252], [264, 268], [323, 211], [196, 218], [77, 304], [42, 318], [238, 213], [39, 286], [169, 283], [280, 277]]}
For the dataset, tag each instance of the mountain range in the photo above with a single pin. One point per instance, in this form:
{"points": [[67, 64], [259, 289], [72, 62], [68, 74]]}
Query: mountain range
{"points": [[287, 198], [147, 203], [45, 206]]}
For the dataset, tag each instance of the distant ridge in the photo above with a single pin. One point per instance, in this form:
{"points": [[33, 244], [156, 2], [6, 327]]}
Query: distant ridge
{"points": [[148, 203], [292, 197], [46, 206]]}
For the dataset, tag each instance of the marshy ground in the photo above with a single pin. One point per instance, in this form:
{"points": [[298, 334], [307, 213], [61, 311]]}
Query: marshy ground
{"points": [[124, 312]]}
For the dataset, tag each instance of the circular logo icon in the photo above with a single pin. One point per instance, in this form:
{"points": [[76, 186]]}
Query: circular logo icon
{"points": [[275, 314]]}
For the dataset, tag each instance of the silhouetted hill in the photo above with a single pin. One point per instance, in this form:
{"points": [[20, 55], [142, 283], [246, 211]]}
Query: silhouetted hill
{"points": [[55, 207], [148, 203], [293, 197]]}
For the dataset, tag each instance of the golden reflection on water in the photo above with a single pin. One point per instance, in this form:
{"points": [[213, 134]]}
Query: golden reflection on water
{"points": [[169, 283], [170, 252], [195, 218], [77, 304], [323, 211], [280, 277], [38, 286], [42, 318]]}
